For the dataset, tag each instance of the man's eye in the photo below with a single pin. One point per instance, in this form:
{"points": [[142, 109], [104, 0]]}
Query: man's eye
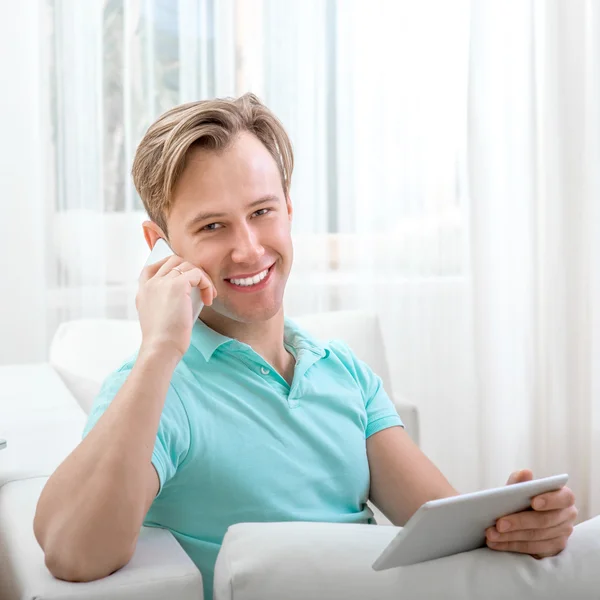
{"points": [[211, 227], [262, 211]]}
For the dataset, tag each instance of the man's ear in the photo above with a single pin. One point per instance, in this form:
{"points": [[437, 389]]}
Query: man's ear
{"points": [[290, 210], [152, 232]]}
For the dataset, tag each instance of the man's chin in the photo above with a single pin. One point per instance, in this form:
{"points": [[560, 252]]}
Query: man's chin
{"points": [[243, 314]]}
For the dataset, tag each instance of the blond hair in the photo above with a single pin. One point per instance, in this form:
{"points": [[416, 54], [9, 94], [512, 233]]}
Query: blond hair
{"points": [[213, 124]]}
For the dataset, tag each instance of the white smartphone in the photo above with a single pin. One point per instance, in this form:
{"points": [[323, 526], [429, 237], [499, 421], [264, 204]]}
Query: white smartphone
{"points": [[457, 524], [162, 250]]}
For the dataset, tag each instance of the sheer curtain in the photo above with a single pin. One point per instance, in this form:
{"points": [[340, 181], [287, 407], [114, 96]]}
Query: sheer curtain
{"points": [[534, 175], [447, 178]]}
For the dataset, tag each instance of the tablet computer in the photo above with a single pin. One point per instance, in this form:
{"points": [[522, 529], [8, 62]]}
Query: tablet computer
{"points": [[457, 524]]}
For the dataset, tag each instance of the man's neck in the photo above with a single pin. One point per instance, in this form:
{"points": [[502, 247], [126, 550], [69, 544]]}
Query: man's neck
{"points": [[265, 338]]}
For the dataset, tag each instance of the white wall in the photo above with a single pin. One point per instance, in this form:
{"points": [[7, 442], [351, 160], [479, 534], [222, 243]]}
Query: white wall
{"points": [[22, 288]]}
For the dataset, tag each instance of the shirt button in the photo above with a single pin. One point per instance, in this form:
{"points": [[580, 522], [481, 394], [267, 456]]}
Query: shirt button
{"points": [[264, 371]]}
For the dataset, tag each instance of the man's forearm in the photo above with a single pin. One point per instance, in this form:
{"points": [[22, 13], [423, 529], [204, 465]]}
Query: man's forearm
{"points": [[402, 477], [90, 511]]}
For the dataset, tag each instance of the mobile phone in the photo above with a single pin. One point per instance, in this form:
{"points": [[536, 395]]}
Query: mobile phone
{"points": [[162, 250]]}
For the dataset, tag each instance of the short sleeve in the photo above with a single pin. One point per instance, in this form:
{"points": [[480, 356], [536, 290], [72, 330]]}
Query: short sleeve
{"points": [[173, 436], [381, 412]]}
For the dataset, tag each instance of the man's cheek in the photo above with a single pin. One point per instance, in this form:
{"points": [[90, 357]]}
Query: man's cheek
{"points": [[283, 241]]}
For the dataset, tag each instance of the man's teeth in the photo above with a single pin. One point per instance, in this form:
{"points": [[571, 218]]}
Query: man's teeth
{"points": [[250, 280]]}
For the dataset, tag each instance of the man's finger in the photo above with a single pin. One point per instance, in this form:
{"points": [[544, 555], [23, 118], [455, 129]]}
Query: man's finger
{"points": [[520, 476], [198, 278], [151, 270], [539, 549], [530, 535], [532, 519], [558, 499]]}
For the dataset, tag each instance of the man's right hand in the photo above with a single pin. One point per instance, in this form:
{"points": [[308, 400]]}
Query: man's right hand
{"points": [[164, 303]]}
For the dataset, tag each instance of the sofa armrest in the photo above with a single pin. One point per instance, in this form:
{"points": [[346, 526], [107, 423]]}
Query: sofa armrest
{"points": [[331, 561], [39, 419], [159, 568]]}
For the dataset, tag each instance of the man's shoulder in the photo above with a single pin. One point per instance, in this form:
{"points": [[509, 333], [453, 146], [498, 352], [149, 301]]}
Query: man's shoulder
{"points": [[182, 376], [346, 359], [117, 377], [341, 352]]}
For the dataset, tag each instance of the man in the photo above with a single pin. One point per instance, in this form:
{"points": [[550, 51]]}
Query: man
{"points": [[240, 416]]}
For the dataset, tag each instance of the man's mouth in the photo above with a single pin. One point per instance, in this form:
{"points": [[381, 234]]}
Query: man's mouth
{"points": [[251, 281]]}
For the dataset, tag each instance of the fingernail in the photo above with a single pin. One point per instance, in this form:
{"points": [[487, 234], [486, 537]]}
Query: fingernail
{"points": [[503, 526], [540, 503], [493, 535]]}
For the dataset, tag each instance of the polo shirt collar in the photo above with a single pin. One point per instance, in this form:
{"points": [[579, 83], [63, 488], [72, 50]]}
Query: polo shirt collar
{"points": [[299, 339], [207, 340]]}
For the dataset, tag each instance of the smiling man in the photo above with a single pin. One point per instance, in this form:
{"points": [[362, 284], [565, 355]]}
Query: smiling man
{"points": [[240, 416]]}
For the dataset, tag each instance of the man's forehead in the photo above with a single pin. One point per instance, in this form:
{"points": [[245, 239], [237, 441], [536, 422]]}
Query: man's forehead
{"points": [[245, 148], [219, 182]]}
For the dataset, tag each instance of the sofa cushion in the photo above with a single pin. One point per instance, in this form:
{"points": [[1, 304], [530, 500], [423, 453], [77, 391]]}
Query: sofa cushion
{"points": [[329, 561], [85, 351]]}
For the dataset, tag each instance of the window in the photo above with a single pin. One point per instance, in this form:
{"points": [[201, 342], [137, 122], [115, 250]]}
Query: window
{"points": [[376, 113]]}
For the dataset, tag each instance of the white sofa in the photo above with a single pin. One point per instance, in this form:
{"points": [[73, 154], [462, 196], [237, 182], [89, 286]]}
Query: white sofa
{"points": [[42, 412]]}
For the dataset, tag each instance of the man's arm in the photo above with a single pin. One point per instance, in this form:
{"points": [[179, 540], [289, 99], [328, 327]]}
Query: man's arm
{"points": [[91, 510], [402, 477]]}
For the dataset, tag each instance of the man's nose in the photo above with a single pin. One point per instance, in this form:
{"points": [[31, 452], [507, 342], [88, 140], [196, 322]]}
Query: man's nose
{"points": [[247, 248]]}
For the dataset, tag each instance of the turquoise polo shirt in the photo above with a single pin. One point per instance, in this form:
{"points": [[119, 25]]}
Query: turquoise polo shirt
{"points": [[236, 443]]}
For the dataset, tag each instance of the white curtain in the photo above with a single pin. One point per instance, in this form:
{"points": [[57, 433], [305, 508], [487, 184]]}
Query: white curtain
{"points": [[534, 169], [447, 177]]}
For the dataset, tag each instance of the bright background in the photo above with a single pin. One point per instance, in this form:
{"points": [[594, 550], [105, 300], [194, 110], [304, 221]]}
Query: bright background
{"points": [[448, 178]]}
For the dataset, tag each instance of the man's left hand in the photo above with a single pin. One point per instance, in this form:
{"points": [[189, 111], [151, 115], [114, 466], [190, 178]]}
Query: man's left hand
{"points": [[541, 532]]}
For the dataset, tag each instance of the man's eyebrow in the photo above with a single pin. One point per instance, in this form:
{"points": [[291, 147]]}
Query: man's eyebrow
{"points": [[209, 216]]}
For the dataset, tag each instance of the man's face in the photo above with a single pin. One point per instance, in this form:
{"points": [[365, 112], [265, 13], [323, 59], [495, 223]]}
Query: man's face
{"points": [[230, 217]]}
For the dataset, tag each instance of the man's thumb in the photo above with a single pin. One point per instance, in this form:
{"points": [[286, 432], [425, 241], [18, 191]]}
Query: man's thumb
{"points": [[520, 476]]}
